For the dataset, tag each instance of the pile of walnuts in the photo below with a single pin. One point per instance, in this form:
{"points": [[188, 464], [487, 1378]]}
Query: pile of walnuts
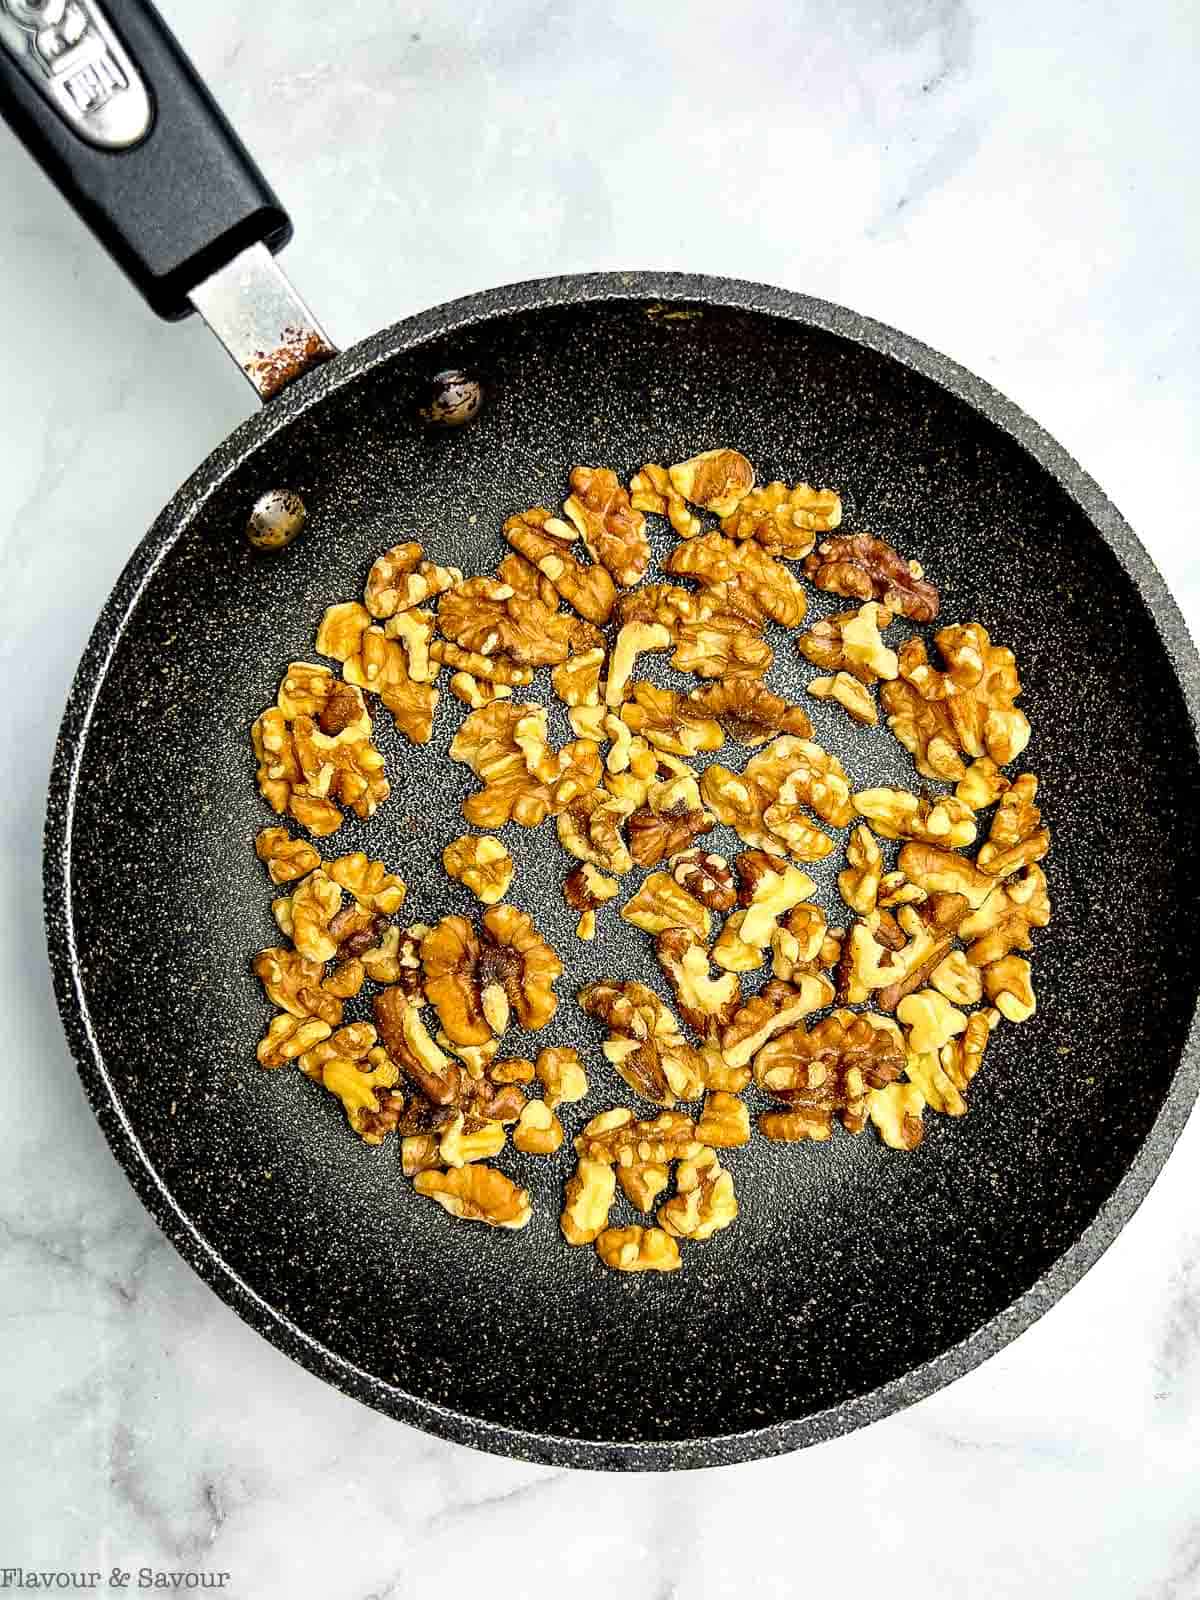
{"points": [[874, 1021]]}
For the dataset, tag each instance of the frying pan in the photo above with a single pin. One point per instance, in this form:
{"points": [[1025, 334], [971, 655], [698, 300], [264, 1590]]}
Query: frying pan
{"points": [[857, 1279]]}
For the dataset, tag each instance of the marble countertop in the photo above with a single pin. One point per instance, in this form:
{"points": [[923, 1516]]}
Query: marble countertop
{"points": [[1012, 184]]}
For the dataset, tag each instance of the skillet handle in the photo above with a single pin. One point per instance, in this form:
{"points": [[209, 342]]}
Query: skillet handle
{"points": [[105, 100]]}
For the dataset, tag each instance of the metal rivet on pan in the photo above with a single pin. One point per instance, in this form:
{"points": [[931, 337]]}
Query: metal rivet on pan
{"points": [[454, 398], [276, 520]]}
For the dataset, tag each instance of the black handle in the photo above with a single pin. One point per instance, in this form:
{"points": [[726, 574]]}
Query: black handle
{"points": [[172, 207]]}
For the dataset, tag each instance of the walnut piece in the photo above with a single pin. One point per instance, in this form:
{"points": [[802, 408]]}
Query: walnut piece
{"points": [[490, 618], [670, 721], [724, 1122], [590, 830], [896, 967], [831, 1068], [858, 883], [774, 888], [651, 489], [310, 773], [818, 778], [538, 1131], [851, 641], [671, 818], [585, 890], [644, 1043], [716, 480], [968, 710], [896, 1112], [897, 814], [288, 1037], [381, 666], [632, 639], [474, 979], [477, 692], [747, 580], [479, 1193], [640, 1152], [285, 858], [306, 914], [562, 1076], [400, 579], [483, 863], [863, 567], [784, 521], [1004, 920], [545, 541], [707, 877], [638, 1250], [523, 780], [577, 681], [296, 985], [460, 1145], [485, 669], [374, 888], [1008, 984], [853, 697], [523, 578], [612, 529], [957, 980], [341, 630], [408, 1042], [705, 1003], [704, 1201], [367, 1091], [804, 944], [1017, 838], [776, 1007], [939, 871], [587, 1201], [795, 1127], [749, 712], [663, 903], [982, 785], [930, 1019]]}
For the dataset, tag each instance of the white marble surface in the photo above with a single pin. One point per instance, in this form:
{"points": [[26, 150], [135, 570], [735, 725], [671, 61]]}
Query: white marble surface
{"points": [[1013, 184]]}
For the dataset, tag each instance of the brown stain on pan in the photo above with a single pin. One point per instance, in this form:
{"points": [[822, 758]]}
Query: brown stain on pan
{"points": [[300, 350]]}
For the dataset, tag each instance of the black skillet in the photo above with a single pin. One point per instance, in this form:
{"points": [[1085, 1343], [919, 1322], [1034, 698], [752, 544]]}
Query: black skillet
{"points": [[857, 1279]]}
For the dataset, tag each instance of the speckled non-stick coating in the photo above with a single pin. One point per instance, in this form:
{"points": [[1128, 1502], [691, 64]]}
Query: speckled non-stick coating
{"points": [[857, 1279]]}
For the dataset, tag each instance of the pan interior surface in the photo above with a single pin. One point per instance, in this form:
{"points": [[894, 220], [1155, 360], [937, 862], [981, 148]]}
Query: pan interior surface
{"points": [[851, 1264]]}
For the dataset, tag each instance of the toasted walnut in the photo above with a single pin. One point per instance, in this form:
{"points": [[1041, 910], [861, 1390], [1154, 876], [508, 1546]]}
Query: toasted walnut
{"points": [[585, 890], [514, 1069], [638, 1250], [538, 1132], [784, 521], [706, 877], [414, 632], [895, 890], [562, 1076], [749, 712], [588, 1199], [613, 530], [644, 1043], [288, 1037], [296, 985], [483, 863], [473, 979], [305, 916], [1004, 920], [478, 1193], [353, 1042], [1017, 838], [896, 968], [941, 717], [853, 696], [859, 883], [705, 1003], [716, 480], [939, 871], [632, 640], [408, 1042], [896, 1112], [381, 961], [503, 744], [851, 642], [372, 885], [545, 541], [795, 1127], [804, 944], [460, 1145], [312, 773], [640, 1152], [523, 578], [346, 979], [489, 618], [671, 819], [962, 1057], [731, 952], [719, 1076], [982, 785], [1008, 984], [740, 804], [897, 814], [958, 980], [341, 630], [651, 489], [590, 830], [286, 859], [662, 903], [670, 721], [399, 580], [487, 669], [477, 692], [367, 1092], [577, 681], [382, 667], [419, 1153], [704, 1199], [863, 567], [930, 1019], [817, 778], [750, 582], [831, 1068], [776, 1007], [773, 895], [724, 1123]]}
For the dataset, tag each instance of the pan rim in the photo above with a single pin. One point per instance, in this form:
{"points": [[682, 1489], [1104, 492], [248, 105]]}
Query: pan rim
{"points": [[173, 522]]}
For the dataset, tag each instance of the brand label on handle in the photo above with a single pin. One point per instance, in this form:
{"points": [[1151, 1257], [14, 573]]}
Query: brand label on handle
{"points": [[69, 52]]}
